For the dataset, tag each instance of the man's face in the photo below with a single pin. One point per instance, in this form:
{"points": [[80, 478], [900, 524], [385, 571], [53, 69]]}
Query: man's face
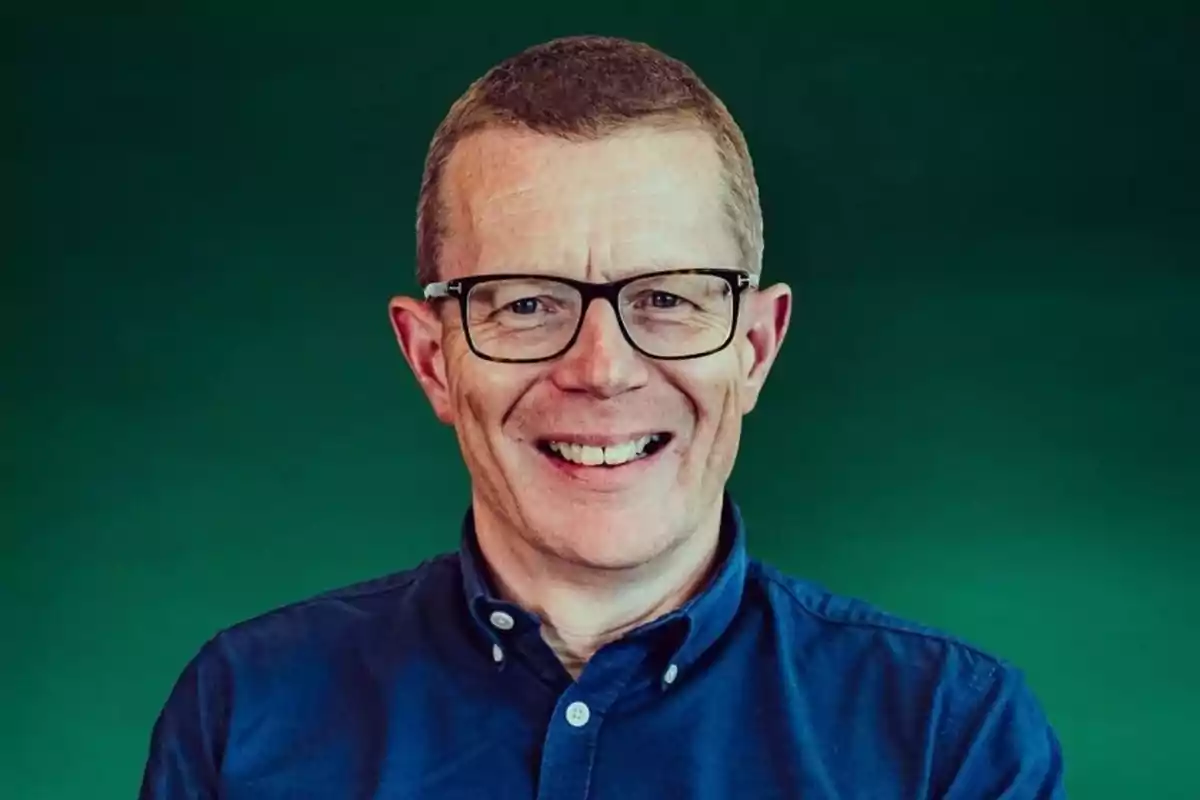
{"points": [[600, 210]]}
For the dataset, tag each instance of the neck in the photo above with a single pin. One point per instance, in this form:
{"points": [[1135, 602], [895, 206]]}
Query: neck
{"points": [[581, 608]]}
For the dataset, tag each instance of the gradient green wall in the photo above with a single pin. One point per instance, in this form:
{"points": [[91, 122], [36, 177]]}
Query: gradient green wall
{"points": [[985, 416]]}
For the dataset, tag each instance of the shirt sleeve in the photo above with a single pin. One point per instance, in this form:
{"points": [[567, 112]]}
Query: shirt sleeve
{"points": [[1009, 750], [188, 738]]}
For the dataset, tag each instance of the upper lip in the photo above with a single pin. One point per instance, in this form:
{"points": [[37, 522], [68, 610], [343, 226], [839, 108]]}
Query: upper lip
{"points": [[598, 439]]}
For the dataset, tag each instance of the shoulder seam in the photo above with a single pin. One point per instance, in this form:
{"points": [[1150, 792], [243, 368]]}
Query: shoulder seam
{"points": [[366, 589], [362, 589], [771, 575]]}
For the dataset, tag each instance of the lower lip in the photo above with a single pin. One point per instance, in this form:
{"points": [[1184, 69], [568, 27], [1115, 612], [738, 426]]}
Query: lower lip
{"points": [[604, 476]]}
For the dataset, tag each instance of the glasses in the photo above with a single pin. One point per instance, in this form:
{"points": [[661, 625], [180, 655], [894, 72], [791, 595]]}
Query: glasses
{"points": [[670, 315]]}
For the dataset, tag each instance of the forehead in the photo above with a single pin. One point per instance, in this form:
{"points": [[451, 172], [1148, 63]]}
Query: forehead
{"points": [[636, 200]]}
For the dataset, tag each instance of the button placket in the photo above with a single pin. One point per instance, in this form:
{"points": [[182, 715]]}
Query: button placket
{"points": [[578, 723]]}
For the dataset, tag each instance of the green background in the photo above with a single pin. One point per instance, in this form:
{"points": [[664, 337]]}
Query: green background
{"points": [[985, 416]]}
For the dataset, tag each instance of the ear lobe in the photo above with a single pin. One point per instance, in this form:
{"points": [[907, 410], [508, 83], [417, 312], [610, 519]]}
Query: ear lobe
{"points": [[418, 330], [769, 314]]}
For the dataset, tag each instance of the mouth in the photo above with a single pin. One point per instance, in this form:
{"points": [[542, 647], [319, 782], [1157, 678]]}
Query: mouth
{"points": [[611, 455]]}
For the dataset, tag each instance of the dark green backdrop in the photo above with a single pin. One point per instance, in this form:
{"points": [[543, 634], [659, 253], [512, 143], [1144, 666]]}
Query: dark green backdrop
{"points": [[985, 416]]}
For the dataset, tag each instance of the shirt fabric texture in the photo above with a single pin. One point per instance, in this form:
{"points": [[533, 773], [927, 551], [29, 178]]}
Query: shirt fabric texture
{"points": [[424, 684]]}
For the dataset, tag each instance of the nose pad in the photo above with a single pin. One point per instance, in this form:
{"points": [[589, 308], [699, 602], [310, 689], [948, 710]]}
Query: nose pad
{"points": [[601, 361], [601, 327]]}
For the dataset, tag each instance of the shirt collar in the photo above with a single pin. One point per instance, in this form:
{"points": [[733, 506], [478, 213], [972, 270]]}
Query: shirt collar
{"points": [[689, 630]]}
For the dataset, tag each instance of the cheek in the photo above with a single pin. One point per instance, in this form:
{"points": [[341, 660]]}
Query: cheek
{"points": [[474, 402], [475, 423], [713, 391], [484, 394], [728, 418], [724, 402], [714, 386], [468, 392]]}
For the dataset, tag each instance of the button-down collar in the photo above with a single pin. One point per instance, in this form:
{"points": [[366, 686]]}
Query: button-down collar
{"points": [[688, 631]]}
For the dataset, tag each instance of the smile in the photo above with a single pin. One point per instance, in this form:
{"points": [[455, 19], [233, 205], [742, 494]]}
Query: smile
{"points": [[611, 455]]}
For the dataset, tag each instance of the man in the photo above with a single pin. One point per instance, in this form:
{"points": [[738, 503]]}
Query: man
{"points": [[594, 328]]}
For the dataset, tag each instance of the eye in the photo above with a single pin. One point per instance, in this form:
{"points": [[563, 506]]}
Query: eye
{"points": [[526, 305], [665, 300], [658, 300]]}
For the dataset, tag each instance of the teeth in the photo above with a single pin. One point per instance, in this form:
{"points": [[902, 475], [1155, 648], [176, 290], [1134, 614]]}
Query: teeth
{"points": [[592, 456]]}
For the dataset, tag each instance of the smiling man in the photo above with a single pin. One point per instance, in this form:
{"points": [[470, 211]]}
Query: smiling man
{"points": [[594, 328]]}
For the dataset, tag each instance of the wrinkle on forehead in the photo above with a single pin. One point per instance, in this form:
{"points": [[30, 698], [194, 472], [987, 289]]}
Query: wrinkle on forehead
{"points": [[643, 198]]}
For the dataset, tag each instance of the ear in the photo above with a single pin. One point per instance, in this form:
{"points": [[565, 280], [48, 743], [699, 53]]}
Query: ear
{"points": [[419, 332], [768, 312]]}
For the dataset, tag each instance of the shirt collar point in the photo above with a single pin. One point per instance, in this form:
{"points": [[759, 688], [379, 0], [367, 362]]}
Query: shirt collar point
{"points": [[706, 616]]}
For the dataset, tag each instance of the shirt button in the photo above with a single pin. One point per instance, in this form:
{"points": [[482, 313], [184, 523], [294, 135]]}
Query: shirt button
{"points": [[497, 653], [671, 673], [578, 714], [501, 620]]}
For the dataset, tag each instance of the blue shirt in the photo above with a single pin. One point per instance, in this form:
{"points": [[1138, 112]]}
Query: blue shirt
{"points": [[424, 684]]}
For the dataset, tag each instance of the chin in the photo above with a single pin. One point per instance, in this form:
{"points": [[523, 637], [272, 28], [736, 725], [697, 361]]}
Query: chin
{"points": [[612, 554], [599, 539]]}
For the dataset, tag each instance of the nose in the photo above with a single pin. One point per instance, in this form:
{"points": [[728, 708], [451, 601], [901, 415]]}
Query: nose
{"points": [[601, 362]]}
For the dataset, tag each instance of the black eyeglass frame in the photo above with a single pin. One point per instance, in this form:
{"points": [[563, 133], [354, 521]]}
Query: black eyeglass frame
{"points": [[738, 279]]}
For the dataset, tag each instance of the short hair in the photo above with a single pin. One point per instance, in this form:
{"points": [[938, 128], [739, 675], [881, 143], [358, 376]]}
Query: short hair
{"points": [[584, 88]]}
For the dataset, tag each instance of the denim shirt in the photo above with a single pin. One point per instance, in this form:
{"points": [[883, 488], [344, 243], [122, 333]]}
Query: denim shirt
{"points": [[424, 684]]}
